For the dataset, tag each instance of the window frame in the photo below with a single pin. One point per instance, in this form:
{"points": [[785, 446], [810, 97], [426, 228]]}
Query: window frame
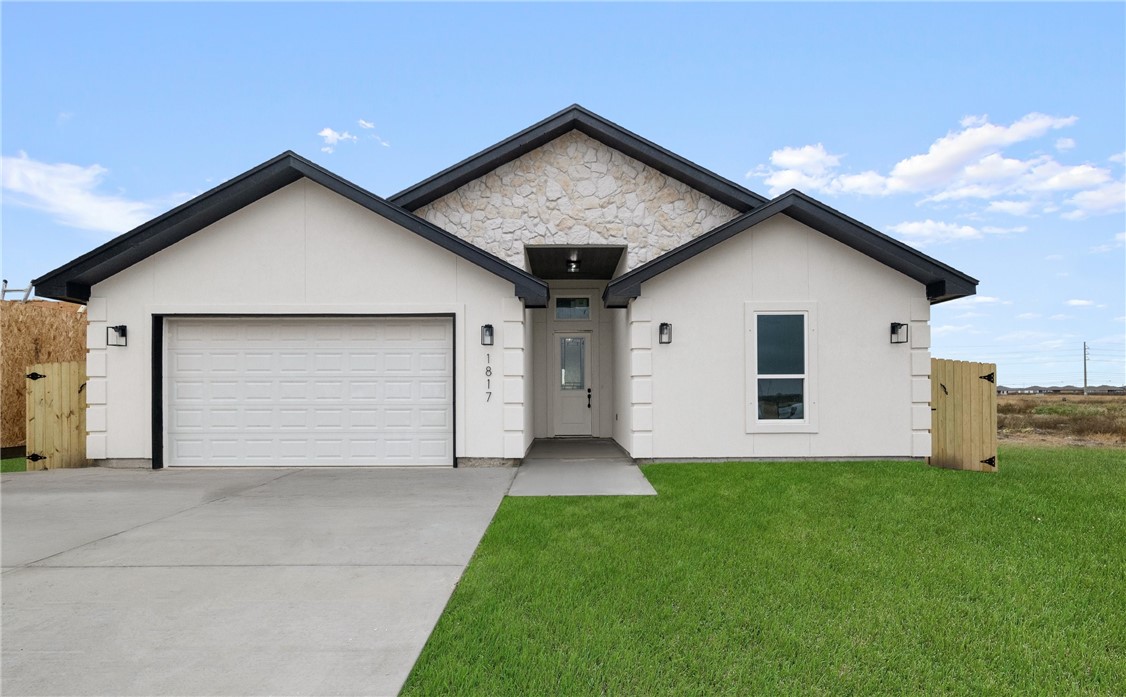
{"points": [[589, 308], [808, 422]]}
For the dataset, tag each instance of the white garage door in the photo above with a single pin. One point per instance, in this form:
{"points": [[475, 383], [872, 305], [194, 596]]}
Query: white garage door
{"points": [[304, 391]]}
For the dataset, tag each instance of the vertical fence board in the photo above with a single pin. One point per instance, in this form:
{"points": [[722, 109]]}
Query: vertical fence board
{"points": [[977, 411], [964, 415], [56, 415]]}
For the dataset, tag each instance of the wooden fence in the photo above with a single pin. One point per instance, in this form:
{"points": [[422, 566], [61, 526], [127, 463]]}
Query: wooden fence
{"points": [[964, 415], [38, 331], [56, 415]]}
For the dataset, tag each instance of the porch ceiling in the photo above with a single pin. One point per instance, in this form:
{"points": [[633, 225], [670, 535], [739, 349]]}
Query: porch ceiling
{"points": [[595, 262]]}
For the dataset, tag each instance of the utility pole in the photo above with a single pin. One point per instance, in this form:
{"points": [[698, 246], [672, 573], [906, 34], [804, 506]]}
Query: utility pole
{"points": [[1086, 353]]}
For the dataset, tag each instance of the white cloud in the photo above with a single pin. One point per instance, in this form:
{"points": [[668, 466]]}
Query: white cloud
{"points": [[1048, 175], [963, 165], [1060, 317], [1110, 198], [1054, 257], [868, 183], [810, 159], [1118, 157], [333, 138], [1009, 207], [981, 300], [1115, 243], [69, 193], [1079, 303], [948, 156], [365, 124], [924, 232], [1029, 315]]}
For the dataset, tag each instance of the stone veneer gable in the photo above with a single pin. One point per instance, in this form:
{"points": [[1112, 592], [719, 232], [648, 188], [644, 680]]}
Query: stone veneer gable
{"points": [[575, 190]]}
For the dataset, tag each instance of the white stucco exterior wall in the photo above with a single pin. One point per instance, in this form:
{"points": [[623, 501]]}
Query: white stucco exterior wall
{"points": [[306, 250], [871, 396]]}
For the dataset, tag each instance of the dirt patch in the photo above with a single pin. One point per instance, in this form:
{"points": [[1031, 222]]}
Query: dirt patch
{"points": [[1074, 420]]}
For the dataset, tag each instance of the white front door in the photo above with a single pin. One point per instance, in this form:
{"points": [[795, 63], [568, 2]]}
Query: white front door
{"points": [[572, 389]]}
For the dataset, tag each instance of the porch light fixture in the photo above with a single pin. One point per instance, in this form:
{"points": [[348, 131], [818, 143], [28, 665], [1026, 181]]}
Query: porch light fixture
{"points": [[664, 333], [116, 336], [898, 333], [486, 335], [573, 261]]}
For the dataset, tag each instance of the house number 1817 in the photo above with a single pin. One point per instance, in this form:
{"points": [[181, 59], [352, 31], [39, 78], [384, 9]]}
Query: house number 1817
{"points": [[488, 379]]}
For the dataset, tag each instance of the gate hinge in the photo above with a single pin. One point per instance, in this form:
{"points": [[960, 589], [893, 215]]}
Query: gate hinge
{"points": [[991, 461], [991, 377], [36, 457], [35, 376]]}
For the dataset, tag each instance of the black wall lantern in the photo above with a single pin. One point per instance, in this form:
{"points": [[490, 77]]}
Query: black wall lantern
{"points": [[664, 333], [486, 335], [898, 333], [116, 336]]}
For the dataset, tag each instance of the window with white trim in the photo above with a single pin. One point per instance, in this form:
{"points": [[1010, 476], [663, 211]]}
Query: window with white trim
{"points": [[781, 366], [781, 362]]}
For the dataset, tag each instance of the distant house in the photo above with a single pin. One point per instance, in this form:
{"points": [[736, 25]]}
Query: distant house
{"points": [[574, 279]]}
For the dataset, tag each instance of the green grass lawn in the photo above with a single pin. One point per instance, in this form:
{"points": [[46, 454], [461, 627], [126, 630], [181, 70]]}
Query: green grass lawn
{"points": [[13, 464], [775, 578]]}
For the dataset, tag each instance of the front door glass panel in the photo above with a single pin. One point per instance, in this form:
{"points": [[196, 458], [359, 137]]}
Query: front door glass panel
{"points": [[572, 371]]}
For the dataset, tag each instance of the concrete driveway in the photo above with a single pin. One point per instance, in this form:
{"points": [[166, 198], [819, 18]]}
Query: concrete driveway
{"points": [[231, 582]]}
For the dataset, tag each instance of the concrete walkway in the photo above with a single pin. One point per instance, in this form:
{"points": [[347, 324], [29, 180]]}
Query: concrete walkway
{"points": [[231, 582], [579, 467]]}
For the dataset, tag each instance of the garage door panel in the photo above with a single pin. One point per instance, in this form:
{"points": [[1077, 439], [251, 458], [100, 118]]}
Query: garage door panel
{"points": [[434, 390], [329, 391]]}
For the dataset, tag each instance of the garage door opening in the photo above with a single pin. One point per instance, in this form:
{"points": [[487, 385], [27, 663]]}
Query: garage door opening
{"points": [[307, 391]]}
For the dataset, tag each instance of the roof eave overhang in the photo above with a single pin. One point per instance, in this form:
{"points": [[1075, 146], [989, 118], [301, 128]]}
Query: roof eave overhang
{"points": [[72, 281], [942, 282], [606, 132]]}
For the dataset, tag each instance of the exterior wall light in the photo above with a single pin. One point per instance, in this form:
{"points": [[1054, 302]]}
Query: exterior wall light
{"points": [[486, 335], [117, 336], [898, 333], [664, 333]]}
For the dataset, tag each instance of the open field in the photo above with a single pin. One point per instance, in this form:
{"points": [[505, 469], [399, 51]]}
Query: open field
{"points": [[802, 578], [1062, 419]]}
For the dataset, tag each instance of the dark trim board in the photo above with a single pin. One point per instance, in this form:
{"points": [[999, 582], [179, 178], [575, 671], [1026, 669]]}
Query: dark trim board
{"points": [[157, 392], [158, 364], [943, 282], [577, 118], [72, 281]]}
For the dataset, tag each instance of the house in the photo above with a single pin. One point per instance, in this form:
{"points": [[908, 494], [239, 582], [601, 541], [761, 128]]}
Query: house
{"points": [[574, 279]]}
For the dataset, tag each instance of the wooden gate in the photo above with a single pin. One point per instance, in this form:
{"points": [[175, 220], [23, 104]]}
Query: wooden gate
{"points": [[964, 415], [56, 415]]}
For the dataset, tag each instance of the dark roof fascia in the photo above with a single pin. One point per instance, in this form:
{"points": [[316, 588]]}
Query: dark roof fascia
{"points": [[72, 281], [606, 132], [943, 282]]}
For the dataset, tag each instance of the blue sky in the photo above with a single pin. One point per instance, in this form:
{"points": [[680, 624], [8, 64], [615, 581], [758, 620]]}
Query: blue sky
{"points": [[990, 136]]}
